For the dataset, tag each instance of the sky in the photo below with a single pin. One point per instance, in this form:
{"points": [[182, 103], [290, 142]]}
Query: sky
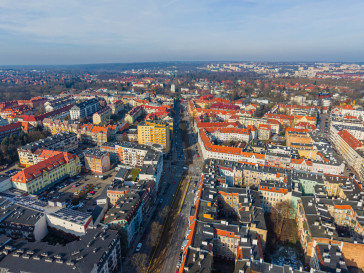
{"points": [[113, 31]]}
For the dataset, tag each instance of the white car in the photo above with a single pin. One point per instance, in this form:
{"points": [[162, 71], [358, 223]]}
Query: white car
{"points": [[139, 246]]}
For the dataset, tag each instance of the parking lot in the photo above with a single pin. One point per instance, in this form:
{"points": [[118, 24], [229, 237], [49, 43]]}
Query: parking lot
{"points": [[78, 193]]}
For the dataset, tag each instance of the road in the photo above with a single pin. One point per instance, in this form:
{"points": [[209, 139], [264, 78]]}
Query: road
{"points": [[173, 170], [174, 250]]}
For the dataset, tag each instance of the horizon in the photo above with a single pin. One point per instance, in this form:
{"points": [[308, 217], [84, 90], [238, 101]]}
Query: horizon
{"points": [[175, 61]]}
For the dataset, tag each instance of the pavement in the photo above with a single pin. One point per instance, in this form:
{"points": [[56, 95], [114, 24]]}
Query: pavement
{"points": [[174, 250], [170, 179]]}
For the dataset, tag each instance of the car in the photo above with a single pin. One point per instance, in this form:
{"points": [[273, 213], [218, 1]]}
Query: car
{"points": [[139, 246], [161, 201], [186, 168], [174, 181]]}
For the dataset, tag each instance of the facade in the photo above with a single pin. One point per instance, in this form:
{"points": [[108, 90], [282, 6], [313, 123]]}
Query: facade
{"points": [[61, 142], [155, 133], [97, 161], [134, 114], [55, 104], [127, 213], [350, 148], [84, 109], [95, 134], [116, 107], [14, 129], [102, 116], [57, 126], [42, 175]]}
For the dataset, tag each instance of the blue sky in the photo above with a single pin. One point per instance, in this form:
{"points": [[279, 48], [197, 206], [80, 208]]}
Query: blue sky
{"points": [[97, 31]]}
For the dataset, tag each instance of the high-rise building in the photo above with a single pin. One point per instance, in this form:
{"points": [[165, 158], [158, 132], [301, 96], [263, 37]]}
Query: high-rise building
{"points": [[154, 133]]}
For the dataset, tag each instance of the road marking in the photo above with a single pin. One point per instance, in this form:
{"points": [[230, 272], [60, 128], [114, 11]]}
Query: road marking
{"points": [[164, 223], [188, 186]]}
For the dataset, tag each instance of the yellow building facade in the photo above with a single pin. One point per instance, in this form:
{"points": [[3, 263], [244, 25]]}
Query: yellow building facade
{"points": [[155, 133]]}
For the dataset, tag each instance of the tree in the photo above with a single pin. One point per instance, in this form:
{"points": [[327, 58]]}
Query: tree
{"points": [[279, 213], [163, 213], [139, 261], [154, 233]]}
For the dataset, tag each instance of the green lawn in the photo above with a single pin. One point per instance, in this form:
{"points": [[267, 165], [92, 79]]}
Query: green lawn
{"points": [[133, 174]]}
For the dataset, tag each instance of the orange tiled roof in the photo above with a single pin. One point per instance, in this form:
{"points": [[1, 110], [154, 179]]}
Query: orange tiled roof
{"points": [[350, 139], [32, 172]]}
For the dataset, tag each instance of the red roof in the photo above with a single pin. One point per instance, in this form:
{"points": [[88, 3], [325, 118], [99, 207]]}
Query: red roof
{"points": [[32, 172], [350, 139]]}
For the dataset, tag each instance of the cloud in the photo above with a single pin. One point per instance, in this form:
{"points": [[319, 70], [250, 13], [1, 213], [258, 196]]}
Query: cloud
{"points": [[159, 29]]}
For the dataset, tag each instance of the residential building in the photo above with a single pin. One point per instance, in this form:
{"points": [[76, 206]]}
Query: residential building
{"points": [[97, 161], [127, 213], [350, 148], [155, 133], [84, 109], [102, 116], [65, 142], [44, 174]]}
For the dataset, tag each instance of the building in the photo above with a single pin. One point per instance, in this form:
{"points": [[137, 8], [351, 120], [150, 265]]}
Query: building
{"points": [[55, 104], [57, 126], [14, 129], [97, 251], [155, 133], [350, 148], [102, 116], [44, 174], [97, 161], [264, 131], [64, 142], [328, 257], [95, 134], [84, 109], [127, 213], [116, 107], [134, 114], [21, 222]]}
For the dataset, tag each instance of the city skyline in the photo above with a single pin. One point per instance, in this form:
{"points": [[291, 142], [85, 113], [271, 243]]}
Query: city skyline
{"points": [[69, 32]]}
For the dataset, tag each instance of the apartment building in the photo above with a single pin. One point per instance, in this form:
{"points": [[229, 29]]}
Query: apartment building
{"points": [[116, 107], [84, 109], [57, 126], [102, 116], [55, 104], [97, 251], [14, 129], [44, 174], [95, 134], [264, 131], [127, 213], [22, 222], [155, 133], [273, 193], [97, 161], [350, 148], [134, 114], [61, 142]]}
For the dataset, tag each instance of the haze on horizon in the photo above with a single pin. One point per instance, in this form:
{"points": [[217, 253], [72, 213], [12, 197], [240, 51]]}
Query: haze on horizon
{"points": [[111, 31]]}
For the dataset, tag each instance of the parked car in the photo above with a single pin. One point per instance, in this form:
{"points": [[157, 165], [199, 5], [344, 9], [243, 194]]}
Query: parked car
{"points": [[139, 246]]}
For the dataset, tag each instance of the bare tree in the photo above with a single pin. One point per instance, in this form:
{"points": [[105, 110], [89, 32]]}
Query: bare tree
{"points": [[163, 213], [279, 213], [139, 261], [155, 231]]}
